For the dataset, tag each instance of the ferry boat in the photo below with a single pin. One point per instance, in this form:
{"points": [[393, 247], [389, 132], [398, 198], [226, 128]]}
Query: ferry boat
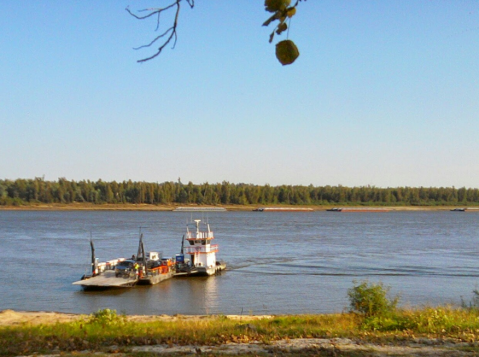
{"points": [[142, 269], [201, 253]]}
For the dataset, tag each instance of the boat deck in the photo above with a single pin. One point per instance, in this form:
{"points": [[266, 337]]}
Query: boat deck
{"points": [[107, 279]]}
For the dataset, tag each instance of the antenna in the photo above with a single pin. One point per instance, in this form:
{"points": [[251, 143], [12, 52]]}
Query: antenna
{"points": [[197, 225]]}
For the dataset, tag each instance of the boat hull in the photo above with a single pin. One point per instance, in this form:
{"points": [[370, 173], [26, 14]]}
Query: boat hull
{"points": [[155, 279], [201, 271], [106, 280]]}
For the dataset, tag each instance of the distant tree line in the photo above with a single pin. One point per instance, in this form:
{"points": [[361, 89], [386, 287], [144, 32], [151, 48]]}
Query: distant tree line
{"points": [[28, 191]]}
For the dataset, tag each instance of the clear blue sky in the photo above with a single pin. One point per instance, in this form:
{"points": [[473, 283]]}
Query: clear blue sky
{"points": [[384, 93]]}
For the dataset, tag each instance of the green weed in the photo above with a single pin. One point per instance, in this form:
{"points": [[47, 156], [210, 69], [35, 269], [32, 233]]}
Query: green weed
{"points": [[370, 299], [107, 317]]}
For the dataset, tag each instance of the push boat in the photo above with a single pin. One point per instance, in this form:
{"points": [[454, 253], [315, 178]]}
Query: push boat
{"points": [[202, 254], [142, 269]]}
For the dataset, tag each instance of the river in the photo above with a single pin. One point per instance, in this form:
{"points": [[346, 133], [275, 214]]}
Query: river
{"points": [[278, 262]]}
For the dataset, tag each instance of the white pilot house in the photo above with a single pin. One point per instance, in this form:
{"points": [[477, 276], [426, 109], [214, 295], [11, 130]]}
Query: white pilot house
{"points": [[202, 253]]}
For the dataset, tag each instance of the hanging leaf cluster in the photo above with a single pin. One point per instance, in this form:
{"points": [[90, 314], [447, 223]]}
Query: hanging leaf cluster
{"points": [[286, 51]]}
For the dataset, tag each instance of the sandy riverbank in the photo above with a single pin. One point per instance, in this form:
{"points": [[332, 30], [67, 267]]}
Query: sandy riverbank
{"points": [[13, 318]]}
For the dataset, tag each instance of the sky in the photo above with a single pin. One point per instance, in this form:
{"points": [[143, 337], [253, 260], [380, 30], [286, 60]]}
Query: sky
{"points": [[384, 93]]}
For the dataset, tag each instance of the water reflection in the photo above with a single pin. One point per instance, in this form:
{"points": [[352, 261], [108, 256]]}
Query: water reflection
{"points": [[198, 294]]}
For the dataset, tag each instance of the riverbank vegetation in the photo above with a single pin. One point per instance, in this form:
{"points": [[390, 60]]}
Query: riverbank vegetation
{"points": [[108, 331], [373, 318], [39, 191]]}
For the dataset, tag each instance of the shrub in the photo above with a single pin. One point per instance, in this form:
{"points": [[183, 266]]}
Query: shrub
{"points": [[107, 317], [371, 299]]}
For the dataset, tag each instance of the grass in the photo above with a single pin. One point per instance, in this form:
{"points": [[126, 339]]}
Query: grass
{"points": [[99, 333]]}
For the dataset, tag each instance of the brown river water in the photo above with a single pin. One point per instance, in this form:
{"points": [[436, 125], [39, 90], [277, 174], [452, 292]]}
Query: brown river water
{"points": [[278, 262]]}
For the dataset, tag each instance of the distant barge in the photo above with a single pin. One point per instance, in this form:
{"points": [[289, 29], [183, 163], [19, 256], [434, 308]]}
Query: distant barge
{"points": [[465, 209], [199, 209], [282, 209], [361, 210]]}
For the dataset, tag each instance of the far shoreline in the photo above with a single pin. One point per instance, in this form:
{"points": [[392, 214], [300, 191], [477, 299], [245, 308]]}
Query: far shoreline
{"points": [[234, 208]]}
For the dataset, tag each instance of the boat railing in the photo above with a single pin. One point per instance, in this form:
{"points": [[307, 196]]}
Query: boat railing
{"points": [[199, 235], [213, 248], [162, 269]]}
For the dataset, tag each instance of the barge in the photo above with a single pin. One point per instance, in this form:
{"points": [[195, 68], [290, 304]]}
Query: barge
{"points": [[360, 210], [199, 209], [142, 269], [283, 209]]}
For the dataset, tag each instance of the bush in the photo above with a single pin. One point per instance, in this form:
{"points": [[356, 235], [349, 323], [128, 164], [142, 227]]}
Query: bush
{"points": [[107, 317], [369, 299]]}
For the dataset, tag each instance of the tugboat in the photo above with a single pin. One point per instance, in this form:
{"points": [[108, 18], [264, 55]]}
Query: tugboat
{"points": [[146, 269], [202, 254]]}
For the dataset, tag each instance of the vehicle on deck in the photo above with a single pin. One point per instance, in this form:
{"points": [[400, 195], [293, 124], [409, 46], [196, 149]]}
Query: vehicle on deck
{"points": [[125, 268]]}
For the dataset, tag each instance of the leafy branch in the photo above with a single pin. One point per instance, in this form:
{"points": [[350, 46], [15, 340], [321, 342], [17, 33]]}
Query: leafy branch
{"points": [[281, 12], [169, 34], [286, 50]]}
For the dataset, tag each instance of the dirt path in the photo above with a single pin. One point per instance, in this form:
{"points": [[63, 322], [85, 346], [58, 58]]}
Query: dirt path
{"points": [[319, 347]]}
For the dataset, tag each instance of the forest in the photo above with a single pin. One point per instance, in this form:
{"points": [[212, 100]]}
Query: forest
{"points": [[34, 191]]}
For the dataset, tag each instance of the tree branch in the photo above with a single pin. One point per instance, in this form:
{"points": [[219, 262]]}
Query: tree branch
{"points": [[171, 30]]}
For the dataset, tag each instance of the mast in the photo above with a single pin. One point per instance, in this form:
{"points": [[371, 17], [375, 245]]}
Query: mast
{"points": [[141, 250], [182, 244], [93, 259]]}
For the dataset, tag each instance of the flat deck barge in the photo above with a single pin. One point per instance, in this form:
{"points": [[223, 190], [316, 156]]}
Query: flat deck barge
{"points": [[143, 269], [358, 210], [107, 279], [282, 209]]}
